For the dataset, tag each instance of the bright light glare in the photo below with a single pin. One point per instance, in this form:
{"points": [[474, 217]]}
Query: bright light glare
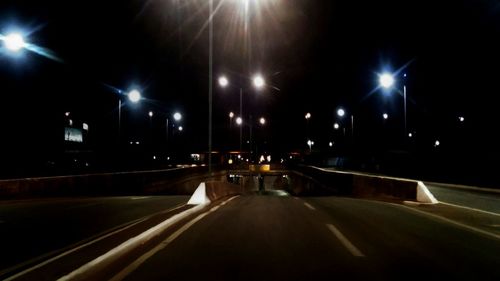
{"points": [[258, 81], [437, 143], [14, 42], [262, 121], [386, 80], [330, 144], [180, 128], [239, 121], [385, 115], [340, 112], [336, 126], [223, 82], [308, 115], [134, 96], [461, 119], [177, 116], [231, 114], [151, 114]]}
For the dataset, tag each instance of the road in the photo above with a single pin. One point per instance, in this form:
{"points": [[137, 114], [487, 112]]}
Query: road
{"points": [[31, 228], [466, 196], [287, 238]]}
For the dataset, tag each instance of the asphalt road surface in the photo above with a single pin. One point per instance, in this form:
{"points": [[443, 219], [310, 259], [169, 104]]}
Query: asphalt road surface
{"points": [[32, 228], [286, 238]]}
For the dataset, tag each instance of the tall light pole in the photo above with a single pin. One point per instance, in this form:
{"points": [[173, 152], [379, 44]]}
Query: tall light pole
{"points": [[210, 79], [134, 96], [386, 80]]}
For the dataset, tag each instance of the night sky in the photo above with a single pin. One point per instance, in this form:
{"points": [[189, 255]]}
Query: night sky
{"points": [[315, 56]]}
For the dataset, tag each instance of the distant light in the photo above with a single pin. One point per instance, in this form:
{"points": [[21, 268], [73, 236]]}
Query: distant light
{"points": [[386, 80], [137, 142], [385, 115], [404, 75], [341, 112], [309, 142], [177, 116], [239, 156], [308, 115], [223, 82], [14, 42], [268, 158], [154, 157], [261, 159], [168, 158], [85, 126], [70, 122], [151, 114], [67, 113], [258, 81], [231, 114], [262, 121], [230, 161], [291, 157], [410, 135], [461, 119], [437, 143], [134, 96], [330, 144], [180, 128], [336, 126], [239, 121]]}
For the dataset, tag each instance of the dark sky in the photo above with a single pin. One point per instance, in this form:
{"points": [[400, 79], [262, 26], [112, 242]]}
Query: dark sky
{"points": [[315, 55]]}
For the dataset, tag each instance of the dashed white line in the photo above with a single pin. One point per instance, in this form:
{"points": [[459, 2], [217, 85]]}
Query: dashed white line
{"points": [[309, 206], [354, 251]]}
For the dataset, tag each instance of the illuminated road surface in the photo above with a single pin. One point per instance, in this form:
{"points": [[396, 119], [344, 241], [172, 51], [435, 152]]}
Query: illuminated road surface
{"points": [[284, 238]]}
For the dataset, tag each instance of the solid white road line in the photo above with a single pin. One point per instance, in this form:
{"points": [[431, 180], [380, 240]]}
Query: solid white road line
{"points": [[120, 229], [471, 209], [354, 251], [467, 227], [134, 265], [309, 206]]}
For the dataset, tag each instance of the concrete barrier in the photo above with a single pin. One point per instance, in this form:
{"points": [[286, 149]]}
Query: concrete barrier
{"points": [[213, 190], [182, 181], [369, 186]]}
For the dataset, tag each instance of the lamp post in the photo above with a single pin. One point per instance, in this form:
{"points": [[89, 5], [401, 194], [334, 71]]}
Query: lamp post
{"points": [[134, 96], [258, 83], [386, 81]]}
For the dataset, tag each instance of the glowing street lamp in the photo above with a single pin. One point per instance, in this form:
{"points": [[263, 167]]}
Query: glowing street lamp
{"points": [[308, 116], [14, 42], [385, 116], [262, 121], [258, 81], [223, 82], [134, 96], [177, 116], [341, 112], [239, 121], [336, 126], [386, 80]]}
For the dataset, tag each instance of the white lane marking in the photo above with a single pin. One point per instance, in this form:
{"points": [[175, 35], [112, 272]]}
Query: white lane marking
{"points": [[309, 206], [469, 208], [354, 251], [139, 198], [467, 227], [135, 264], [120, 229]]}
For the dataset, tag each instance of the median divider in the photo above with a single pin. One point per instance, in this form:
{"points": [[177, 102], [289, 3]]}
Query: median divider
{"points": [[213, 190], [371, 186]]}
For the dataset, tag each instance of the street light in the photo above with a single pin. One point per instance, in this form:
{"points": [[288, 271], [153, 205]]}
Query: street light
{"points": [[258, 83], [386, 80], [239, 121], [340, 112], [177, 116], [134, 96], [262, 121], [150, 114], [14, 42], [385, 116], [336, 126]]}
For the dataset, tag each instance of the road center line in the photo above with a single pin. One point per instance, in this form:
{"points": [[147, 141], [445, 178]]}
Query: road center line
{"points": [[354, 251], [309, 206], [135, 264]]}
